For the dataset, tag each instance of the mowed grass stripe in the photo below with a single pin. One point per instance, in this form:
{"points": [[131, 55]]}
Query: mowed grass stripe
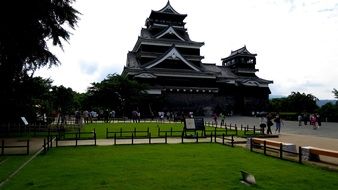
{"points": [[180, 166]]}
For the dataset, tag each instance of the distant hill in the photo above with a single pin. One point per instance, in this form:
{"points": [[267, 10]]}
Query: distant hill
{"points": [[276, 96], [320, 103]]}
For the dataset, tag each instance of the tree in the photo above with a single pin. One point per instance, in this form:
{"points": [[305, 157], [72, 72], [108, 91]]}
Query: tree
{"points": [[335, 93], [26, 26], [299, 102], [295, 102], [116, 92]]}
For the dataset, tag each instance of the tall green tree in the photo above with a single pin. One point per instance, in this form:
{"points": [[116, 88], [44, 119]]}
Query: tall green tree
{"points": [[295, 102], [116, 92], [26, 26]]}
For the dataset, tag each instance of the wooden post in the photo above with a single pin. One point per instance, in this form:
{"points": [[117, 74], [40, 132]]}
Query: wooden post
{"points": [[165, 138], [44, 146], [132, 138], [182, 137], [226, 130], [94, 137], [51, 142], [106, 133], [47, 143], [149, 134], [120, 132], [254, 130], [27, 147], [232, 140], [158, 131], [281, 150], [300, 154], [264, 147], [2, 147], [115, 138], [223, 138], [211, 137], [215, 136], [236, 131], [251, 147], [135, 131], [171, 131]]}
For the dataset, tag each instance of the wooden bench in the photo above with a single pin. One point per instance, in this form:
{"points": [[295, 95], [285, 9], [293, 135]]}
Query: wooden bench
{"points": [[289, 148], [313, 153]]}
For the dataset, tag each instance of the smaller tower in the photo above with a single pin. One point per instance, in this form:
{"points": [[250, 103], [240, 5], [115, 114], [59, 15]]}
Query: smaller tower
{"points": [[241, 62]]}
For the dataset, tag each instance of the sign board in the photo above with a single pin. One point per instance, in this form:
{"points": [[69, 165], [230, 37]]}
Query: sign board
{"points": [[189, 124], [199, 123], [24, 120], [194, 124]]}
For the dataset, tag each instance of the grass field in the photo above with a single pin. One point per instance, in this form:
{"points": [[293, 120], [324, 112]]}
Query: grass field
{"points": [[153, 129], [180, 166]]}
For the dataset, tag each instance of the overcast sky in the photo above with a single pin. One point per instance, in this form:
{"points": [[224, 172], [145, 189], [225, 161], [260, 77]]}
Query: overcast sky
{"points": [[296, 41]]}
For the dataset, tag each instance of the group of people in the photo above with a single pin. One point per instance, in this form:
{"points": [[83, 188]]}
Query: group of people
{"points": [[269, 120], [313, 119], [88, 116]]}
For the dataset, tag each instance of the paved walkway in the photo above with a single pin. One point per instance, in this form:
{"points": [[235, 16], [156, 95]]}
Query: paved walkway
{"points": [[324, 137]]}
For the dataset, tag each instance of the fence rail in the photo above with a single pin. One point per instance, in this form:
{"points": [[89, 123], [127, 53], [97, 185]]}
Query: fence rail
{"points": [[4, 147]]}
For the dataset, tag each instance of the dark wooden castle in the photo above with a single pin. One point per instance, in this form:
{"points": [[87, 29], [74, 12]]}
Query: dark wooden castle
{"points": [[165, 58]]}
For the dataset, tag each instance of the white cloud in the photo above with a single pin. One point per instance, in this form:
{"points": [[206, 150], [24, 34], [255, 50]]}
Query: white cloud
{"points": [[295, 40]]}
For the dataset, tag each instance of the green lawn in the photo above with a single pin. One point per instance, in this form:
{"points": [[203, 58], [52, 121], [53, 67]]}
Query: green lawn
{"points": [[180, 166]]}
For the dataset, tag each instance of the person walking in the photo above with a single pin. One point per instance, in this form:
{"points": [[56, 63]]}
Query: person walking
{"points": [[278, 123], [222, 116], [300, 118], [269, 123]]}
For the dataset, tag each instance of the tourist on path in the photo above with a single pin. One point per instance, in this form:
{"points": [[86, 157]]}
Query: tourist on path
{"points": [[278, 123]]}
